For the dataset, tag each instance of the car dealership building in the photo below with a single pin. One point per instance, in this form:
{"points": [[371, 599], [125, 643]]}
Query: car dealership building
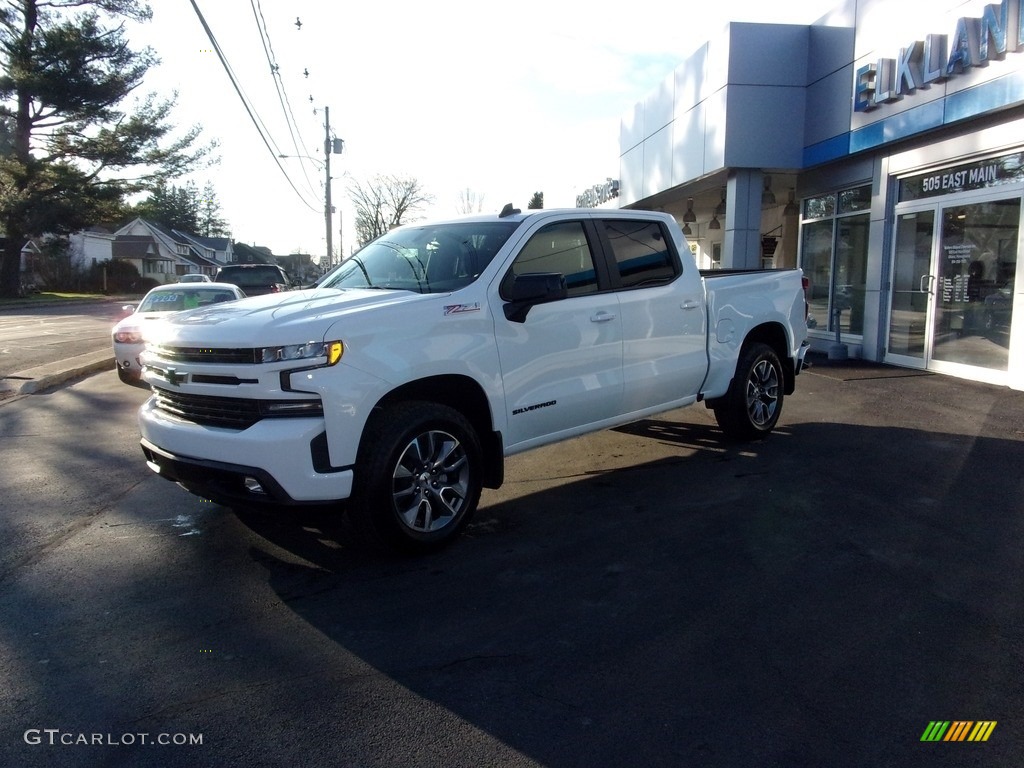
{"points": [[880, 149]]}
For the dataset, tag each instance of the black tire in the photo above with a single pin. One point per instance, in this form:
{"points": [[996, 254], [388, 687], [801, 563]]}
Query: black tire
{"points": [[752, 406], [418, 477]]}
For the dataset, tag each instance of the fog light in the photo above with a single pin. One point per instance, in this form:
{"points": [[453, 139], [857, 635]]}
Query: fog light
{"points": [[252, 485]]}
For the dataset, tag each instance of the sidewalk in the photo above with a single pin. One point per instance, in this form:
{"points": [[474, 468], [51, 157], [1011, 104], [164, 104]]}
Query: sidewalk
{"points": [[51, 374], [39, 374]]}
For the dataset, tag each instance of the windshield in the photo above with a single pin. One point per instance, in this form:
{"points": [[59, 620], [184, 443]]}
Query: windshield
{"points": [[429, 259], [184, 298]]}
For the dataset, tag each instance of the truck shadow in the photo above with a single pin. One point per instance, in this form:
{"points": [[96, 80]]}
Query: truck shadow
{"points": [[719, 605]]}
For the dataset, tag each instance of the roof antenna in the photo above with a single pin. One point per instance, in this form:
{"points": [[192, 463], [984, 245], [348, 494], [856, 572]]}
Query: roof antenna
{"points": [[508, 210]]}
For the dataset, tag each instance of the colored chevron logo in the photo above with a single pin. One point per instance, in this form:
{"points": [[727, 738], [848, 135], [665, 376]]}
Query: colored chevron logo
{"points": [[958, 730]]}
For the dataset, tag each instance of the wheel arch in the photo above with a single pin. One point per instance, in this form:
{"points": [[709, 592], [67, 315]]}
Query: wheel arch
{"points": [[774, 335], [466, 396]]}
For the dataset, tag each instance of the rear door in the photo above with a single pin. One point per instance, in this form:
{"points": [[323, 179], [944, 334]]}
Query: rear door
{"points": [[664, 313]]}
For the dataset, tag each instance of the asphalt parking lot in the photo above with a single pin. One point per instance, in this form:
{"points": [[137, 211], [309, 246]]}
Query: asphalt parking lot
{"points": [[642, 596]]}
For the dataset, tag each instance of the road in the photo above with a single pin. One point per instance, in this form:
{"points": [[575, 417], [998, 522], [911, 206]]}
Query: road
{"points": [[643, 596], [39, 335]]}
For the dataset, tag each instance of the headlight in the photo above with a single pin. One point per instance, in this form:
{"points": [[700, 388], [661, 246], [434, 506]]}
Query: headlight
{"points": [[311, 350], [128, 336]]}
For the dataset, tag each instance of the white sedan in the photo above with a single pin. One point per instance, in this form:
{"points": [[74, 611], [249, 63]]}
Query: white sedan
{"points": [[129, 334]]}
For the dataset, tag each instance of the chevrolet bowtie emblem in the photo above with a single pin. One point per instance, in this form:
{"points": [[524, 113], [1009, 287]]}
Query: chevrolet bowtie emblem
{"points": [[173, 378]]}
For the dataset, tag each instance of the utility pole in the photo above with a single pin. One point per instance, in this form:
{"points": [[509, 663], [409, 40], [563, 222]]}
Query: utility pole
{"points": [[327, 186]]}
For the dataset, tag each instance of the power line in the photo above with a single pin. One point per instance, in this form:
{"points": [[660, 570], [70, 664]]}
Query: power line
{"points": [[282, 94], [264, 134]]}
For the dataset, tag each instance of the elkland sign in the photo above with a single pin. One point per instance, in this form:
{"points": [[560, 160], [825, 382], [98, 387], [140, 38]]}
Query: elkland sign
{"points": [[975, 42]]}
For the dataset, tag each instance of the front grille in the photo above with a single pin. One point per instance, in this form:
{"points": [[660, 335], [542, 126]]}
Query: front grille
{"points": [[205, 355], [231, 412]]}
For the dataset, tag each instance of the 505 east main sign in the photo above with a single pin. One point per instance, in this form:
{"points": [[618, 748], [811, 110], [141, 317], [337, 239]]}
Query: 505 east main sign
{"points": [[975, 42]]}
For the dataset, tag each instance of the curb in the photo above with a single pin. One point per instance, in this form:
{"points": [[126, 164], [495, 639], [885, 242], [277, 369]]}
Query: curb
{"points": [[51, 374]]}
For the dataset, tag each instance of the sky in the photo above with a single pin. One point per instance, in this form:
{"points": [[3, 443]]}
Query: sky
{"points": [[499, 100]]}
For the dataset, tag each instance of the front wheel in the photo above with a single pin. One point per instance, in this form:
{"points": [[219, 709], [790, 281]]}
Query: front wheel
{"points": [[418, 476], [753, 404]]}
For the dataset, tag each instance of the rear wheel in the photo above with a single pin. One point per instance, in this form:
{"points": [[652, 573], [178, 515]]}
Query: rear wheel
{"points": [[418, 476], [753, 404]]}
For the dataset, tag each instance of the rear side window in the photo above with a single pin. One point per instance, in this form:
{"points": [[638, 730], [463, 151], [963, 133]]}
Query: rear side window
{"points": [[641, 252], [561, 248]]}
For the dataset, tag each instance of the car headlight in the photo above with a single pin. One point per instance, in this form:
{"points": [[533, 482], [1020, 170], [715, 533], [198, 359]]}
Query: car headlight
{"points": [[311, 350], [128, 336]]}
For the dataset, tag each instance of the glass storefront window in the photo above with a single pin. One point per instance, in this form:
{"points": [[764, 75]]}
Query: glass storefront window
{"points": [[834, 257], [819, 207], [816, 260], [851, 272], [853, 200]]}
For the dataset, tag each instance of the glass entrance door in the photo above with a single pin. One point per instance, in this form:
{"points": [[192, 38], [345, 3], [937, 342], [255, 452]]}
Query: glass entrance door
{"points": [[975, 269], [953, 272], [911, 288]]}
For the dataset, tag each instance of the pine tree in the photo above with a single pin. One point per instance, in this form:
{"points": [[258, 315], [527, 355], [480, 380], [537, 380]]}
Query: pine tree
{"points": [[69, 152], [172, 207], [211, 223]]}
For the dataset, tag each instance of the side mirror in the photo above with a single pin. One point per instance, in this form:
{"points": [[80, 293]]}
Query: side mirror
{"points": [[530, 289]]}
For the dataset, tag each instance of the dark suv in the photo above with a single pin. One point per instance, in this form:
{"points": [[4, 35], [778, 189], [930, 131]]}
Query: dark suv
{"points": [[255, 279]]}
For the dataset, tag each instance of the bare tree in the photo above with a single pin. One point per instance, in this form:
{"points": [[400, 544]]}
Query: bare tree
{"points": [[368, 200], [384, 202], [470, 201]]}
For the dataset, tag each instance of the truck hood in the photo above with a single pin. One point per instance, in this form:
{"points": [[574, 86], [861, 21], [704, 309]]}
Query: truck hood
{"points": [[277, 318]]}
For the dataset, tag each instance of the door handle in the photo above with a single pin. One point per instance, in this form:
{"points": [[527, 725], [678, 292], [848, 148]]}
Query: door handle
{"points": [[602, 317], [921, 286], [690, 304]]}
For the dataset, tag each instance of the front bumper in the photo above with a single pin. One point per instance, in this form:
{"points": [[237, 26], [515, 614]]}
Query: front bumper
{"points": [[127, 358], [273, 462]]}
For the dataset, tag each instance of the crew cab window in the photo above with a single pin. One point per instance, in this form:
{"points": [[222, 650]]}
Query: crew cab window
{"points": [[641, 251], [561, 248]]}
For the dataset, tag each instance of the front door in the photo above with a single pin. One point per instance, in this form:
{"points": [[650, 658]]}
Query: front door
{"points": [[954, 267], [561, 367]]}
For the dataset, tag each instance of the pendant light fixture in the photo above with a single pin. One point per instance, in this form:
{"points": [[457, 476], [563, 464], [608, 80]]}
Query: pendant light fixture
{"points": [[767, 196], [689, 217], [791, 209], [720, 210]]}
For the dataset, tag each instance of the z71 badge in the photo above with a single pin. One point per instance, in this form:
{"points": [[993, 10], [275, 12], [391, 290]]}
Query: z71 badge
{"points": [[457, 309]]}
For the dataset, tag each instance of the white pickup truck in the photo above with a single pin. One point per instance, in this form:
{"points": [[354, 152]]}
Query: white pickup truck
{"points": [[405, 378]]}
